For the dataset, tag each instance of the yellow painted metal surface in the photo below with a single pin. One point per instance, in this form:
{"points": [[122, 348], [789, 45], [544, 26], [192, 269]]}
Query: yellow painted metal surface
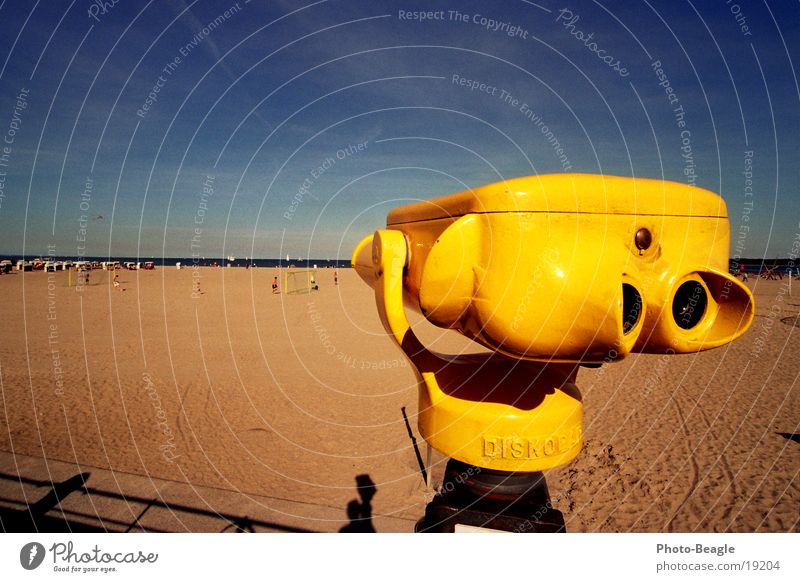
{"points": [[489, 411], [548, 270]]}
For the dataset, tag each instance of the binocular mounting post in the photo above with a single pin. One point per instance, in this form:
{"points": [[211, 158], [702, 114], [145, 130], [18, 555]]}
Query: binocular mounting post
{"points": [[472, 497]]}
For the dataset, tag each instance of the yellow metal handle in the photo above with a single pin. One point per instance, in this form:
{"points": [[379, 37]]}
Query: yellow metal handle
{"points": [[487, 410], [389, 255], [380, 260]]}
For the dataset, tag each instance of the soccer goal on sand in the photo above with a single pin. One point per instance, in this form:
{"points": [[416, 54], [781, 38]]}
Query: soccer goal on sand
{"points": [[300, 281]]}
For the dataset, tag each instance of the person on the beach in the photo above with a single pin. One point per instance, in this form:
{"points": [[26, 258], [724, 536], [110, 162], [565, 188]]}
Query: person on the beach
{"points": [[274, 285], [335, 278], [742, 272], [116, 281]]}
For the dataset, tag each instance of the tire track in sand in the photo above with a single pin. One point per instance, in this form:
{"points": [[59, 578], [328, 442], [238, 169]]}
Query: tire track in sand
{"points": [[695, 469], [721, 458]]}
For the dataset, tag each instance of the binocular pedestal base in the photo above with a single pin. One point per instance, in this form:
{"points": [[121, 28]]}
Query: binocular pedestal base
{"points": [[482, 498]]}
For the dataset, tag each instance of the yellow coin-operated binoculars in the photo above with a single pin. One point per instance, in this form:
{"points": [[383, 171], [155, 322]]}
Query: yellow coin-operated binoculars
{"points": [[548, 272]]}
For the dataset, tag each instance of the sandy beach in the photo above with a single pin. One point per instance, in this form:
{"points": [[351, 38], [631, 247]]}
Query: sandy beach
{"points": [[289, 398]]}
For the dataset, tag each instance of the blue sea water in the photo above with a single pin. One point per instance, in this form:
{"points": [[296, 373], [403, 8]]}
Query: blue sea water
{"points": [[202, 262]]}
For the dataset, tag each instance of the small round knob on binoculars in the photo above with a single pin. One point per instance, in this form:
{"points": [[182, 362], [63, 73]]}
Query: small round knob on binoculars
{"points": [[643, 239]]}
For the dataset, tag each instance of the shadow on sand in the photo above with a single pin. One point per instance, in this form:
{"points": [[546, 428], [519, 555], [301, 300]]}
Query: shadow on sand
{"points": [[45, 515], [423, 471], [360, 512]]}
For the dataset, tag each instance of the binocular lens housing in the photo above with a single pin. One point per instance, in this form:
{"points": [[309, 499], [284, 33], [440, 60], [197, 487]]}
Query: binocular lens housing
{"points": [[574, 268], [689, 304], [631, 307]]}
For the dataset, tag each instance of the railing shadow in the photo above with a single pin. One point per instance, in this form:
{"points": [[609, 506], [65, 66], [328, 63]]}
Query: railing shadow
{"points": [[38, 516], [35, 518]]}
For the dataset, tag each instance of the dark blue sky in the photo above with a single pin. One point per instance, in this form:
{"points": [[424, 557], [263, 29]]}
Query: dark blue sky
{"points": [[264, 104]]}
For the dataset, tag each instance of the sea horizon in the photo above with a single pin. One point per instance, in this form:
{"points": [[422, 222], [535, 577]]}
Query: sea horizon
{"points": [[193, 261]]}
